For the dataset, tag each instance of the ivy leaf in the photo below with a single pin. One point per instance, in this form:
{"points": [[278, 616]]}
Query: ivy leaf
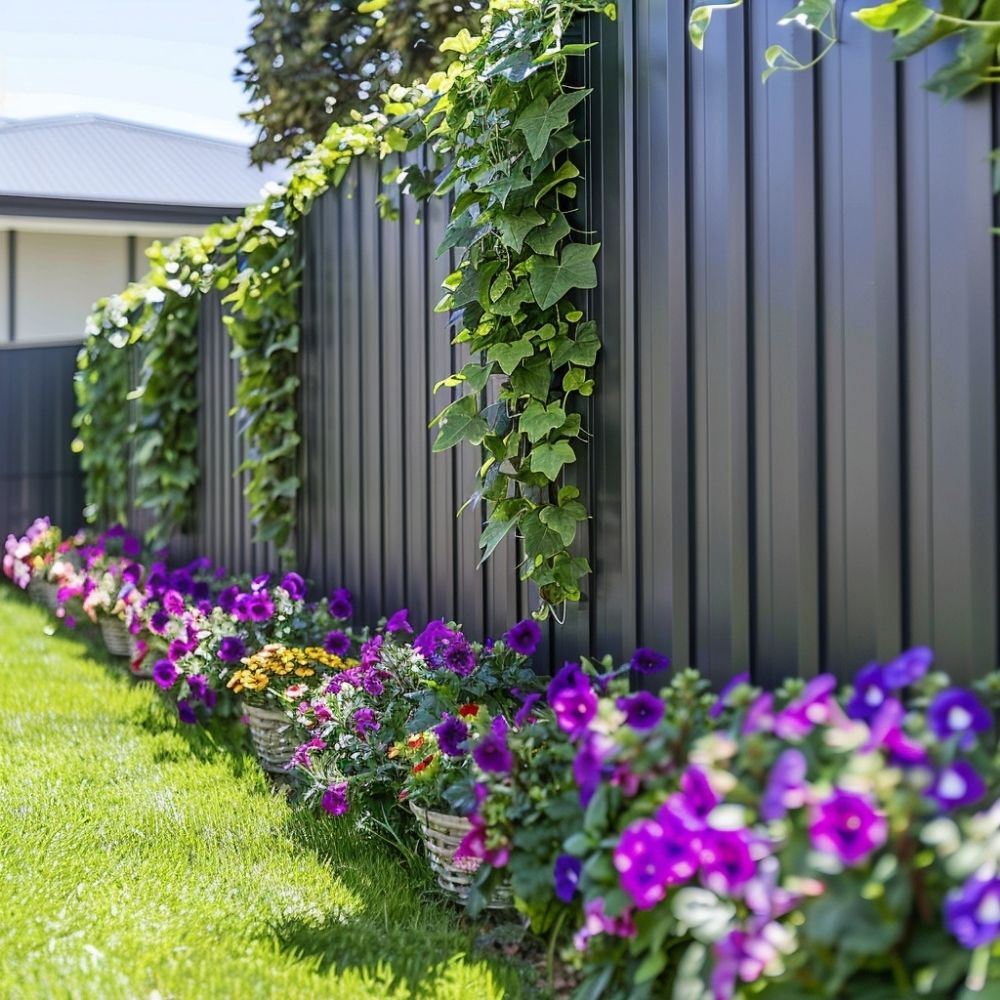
{"points": [[461, 421], [538, 420], [552, 279], [512, 229], [903, 16], [544, 116], [582, 351], [533, 378], [548, 459], [509, 356], [492, 536], [701, 18], [544, 241], [567, 171], [561, 521], [540, 540]]}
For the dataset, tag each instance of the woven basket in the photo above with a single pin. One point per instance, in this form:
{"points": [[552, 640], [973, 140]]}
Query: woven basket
{"points": [[117, 638], [45, 593], [274, 737], [441, 834]]}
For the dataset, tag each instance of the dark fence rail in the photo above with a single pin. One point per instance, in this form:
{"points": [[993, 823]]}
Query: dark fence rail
{"points": [[794, 461], [39, 474]]}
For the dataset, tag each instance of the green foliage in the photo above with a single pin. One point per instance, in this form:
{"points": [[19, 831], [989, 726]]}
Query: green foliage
{"points": [[309, 64], [973, 24]]}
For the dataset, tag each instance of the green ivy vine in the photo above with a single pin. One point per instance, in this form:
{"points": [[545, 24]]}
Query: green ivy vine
{"points": [[499, 123]]}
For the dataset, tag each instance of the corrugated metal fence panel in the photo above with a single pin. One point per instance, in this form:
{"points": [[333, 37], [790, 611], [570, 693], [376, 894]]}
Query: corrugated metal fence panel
{"points": [[222, 528], [39, 474], [794, 456]]}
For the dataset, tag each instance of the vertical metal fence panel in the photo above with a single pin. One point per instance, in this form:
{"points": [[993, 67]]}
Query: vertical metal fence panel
{"points": [[39, 474]]}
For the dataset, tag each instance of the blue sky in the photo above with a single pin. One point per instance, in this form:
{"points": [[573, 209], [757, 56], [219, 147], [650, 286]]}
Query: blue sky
{"points": [[165, 62]]}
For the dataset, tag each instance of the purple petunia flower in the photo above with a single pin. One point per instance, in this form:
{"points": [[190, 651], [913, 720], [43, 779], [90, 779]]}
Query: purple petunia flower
{"points": [[185, 712], [870, 692], [337, 643], [649, 857], [371, 652], [132, 573], [260, 582], [294, 586], [972, 911], [596, 921], [690, 807], [812, 708], [301, 756], [201, 592], [648, 661], [173, 602], [760, 714], [372, 683], [725, 861], [785, 785], [524, 712], [398, 622], [957, 712], [180, 580], [566, 876], [642, 710], [227, 599], [588, 767], [340, 604], [232, 649], [210, 698], [159, 621], [721, 703], [164, 673], [886, 730], [131, 546], [908, 667], [157, 580], [493, 755], [451, 733], [434, 634], [197, 685], [365, 722], [177, 650], [335, 799], [957, 784], [572, 699], [847, 826], [524, 637], [459, 657], [259, 607]]}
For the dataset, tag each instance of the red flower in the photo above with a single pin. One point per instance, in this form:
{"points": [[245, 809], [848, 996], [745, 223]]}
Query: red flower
{"points": [[415, 741], [424, 764], [468, 711]]}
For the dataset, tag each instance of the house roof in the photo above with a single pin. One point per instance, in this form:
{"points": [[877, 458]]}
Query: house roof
{"points": [[94, 159]]}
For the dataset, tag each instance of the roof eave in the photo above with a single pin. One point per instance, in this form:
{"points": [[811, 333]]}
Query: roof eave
{"points": [[81, 208]]}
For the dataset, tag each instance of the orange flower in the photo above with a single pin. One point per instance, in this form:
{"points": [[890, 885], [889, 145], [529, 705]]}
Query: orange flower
{"points": [[415, 742]]}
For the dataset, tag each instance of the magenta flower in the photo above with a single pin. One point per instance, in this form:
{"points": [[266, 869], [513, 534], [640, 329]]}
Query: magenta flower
{"points": [[475, 846], [588, 767], [722, 702], [337, 643], [173, 603], [957, 712], [690, 807], [650, 857], [596, 921], [294, 586], [451, 734], [760, 714], [524, 712], [335, 799], [785, 785], [958, 784], [371, 651], [812, 708], [259, 607], [399, 622], [164, 674], [524, 637], [642, 710], [847, 826], [340, 604], [566, 877], [972, 912], [493, 755], [232, 649], [158, 622], [434, 634], [648, 661], [886, 731], [365, 722], [197, 685], [227, 599], [301, 756], [725, 861], [572, 699], [459, 657]]}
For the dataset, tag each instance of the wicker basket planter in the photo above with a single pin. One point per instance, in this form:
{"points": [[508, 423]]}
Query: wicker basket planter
{"points": [[117, 638], [45, 593], [274, 736], [441, 834]]}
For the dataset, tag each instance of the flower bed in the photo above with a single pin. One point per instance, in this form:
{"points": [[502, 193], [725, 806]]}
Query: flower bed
{"points": [[815, 840]]}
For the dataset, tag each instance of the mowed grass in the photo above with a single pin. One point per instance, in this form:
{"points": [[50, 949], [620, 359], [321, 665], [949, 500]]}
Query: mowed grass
{"points": [[139, 859]]}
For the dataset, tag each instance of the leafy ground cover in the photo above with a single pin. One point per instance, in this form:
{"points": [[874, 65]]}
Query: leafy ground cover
{"points": [[141, 858]]}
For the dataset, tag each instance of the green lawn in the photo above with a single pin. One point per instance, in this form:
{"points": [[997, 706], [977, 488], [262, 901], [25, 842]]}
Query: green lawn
{"points": [[137, 859]]}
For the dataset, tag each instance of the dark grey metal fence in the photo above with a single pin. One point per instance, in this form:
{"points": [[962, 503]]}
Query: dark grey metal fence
{"points": [[39, 474], [794, 462]]}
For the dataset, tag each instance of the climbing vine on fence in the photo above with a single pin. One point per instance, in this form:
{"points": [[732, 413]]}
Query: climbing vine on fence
{"points": [[498, 122]]}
